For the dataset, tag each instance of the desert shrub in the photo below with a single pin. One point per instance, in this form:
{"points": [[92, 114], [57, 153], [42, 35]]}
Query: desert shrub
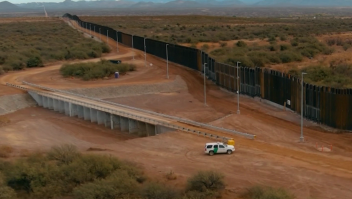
{"points": [[284, 47], [205, 47], [346, 46], [34, 62], [258, 61], [259, 58], [171, 175], [273, 48], [223, 44], [219, 52], [118, 185], [64, 154], [2, 58], [17, 65], [201, 195], [7, 193], [205, 181], [289, 56], [157, 191], [241, 44], [88, 71], [317, 73], [45, 176], [245, 61], [283, 38], [35, 43], [260, 192], [328, 51], [2, 71], [294, 42], [105, 48]]}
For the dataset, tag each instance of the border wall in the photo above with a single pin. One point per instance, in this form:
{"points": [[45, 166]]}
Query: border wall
{"points": [[325, 105]]}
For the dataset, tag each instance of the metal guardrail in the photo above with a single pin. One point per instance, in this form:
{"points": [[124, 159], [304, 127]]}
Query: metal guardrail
{"points": [[16, 86], [251, 136]]}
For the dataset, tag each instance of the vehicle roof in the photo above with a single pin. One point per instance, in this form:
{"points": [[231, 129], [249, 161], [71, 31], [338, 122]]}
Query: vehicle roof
{"points": [[209, 143]]}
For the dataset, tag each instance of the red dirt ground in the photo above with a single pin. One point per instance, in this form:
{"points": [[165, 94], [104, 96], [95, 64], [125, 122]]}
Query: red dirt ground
{"points": [[275, 158]]}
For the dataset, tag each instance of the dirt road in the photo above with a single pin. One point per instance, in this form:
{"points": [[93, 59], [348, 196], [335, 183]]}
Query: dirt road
{"points": [[276, 158]]}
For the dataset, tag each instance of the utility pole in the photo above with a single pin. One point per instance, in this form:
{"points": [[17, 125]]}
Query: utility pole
{"points": [[167, 62], [238, 91], [302, 138], [205, 89], [145, 54], [117, 41], [132, 47]]}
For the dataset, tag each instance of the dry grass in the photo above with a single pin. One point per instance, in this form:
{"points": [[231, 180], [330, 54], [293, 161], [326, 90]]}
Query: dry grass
{"points": [[5, 151], [171, 175]]}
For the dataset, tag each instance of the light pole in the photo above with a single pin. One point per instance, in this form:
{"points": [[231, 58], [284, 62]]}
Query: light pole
{"points": [[132, 46], [238, 91], [205, 89], [167, 62], [145, 54], [107, 37], [117, 41], [302, 138]]}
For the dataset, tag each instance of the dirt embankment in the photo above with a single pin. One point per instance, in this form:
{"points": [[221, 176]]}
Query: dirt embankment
{"points": [[12, 103]]}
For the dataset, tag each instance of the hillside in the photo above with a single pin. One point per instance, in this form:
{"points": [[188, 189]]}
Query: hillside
{"points": [[304, 3], [6, 6]]}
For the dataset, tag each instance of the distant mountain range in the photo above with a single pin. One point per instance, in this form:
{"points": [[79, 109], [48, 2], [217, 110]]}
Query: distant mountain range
{"points": [[304, 3], [167, 4], [6, 6]]}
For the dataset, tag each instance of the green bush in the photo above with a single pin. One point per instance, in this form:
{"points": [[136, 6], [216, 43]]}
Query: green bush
{"points": [[88, 71], [63, 172], [2, 71], [284, 47], [241, 44], [245, 61], [157, 191], [201, 195], [260, 192], [2, 59], [118, 185], [64, 153], [34, 62], [289, 56], [17, 65], [346, 46], [205, 181], [33, 43]]}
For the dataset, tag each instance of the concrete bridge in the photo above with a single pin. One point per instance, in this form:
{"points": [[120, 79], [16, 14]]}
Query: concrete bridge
{"points": [[117, 116]]}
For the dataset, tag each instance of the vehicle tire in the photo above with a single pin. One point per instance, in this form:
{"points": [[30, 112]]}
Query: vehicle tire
{"points": [[229, 152], [211, 153]]}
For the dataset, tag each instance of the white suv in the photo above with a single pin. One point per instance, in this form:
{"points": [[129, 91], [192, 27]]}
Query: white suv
{"points": [[218, 147]]}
